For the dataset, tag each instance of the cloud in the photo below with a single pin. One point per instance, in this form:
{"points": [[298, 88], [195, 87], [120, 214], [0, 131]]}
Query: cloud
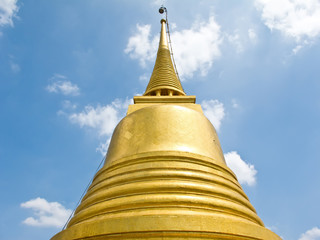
{"points": [[245, 172], [241, 39], [103, 147], [312, 234], [60, 84], [297, 48], [47, 214], [194, 49], [8, 10], [214, 111], [141, 46], [103, 119], [298, 19]]}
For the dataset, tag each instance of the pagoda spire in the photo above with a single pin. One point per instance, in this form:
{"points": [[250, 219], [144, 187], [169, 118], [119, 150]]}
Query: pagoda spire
{"points": [[164, 80]]}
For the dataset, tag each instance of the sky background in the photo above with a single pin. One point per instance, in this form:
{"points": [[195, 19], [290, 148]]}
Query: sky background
{"points": [[69, 69]]}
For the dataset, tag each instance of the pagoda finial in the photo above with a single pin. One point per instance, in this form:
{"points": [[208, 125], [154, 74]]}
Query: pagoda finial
{"points": [[164, 80]]}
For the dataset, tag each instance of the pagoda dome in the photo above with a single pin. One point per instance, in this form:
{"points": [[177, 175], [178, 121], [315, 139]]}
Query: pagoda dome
{"points": [[166, 127], [165, 177]]}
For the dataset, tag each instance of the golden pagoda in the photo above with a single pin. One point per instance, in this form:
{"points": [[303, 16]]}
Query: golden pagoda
{"points": [[165, 176]]}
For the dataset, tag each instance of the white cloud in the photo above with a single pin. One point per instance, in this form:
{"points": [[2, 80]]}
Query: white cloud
{"points": [[103, 147], [141, 46], [312, 234], [214, 111], [241, 39], [297, 48], [194, 49], [245, 172], [8, 10], [102, 118], [299, 19], [46, 214], [60, 84]]}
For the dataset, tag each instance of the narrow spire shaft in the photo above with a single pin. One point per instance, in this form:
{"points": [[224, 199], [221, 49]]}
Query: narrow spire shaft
{"points": [[164, 80], [163, 35]]}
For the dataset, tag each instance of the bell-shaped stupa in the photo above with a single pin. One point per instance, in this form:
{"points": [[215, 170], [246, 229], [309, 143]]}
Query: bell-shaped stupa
{"points": [[165, 176]]}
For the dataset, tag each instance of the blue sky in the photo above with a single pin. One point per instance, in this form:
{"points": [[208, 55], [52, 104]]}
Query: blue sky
{"points": [[69, 69]]}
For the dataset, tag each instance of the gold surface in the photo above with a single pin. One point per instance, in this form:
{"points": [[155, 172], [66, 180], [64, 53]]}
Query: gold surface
{"points": [[165, 177], [163, 78], [164, 127], [164, 99], [147, 101]]}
